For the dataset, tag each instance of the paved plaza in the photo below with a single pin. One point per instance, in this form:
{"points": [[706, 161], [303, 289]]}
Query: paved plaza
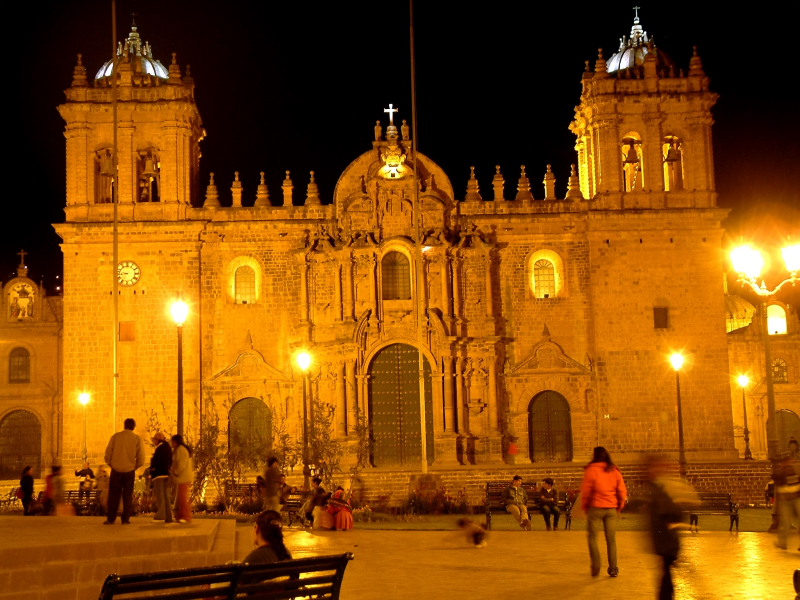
{"points": [[39, 555]]}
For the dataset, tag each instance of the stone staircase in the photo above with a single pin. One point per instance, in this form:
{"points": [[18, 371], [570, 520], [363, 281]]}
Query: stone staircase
{"points": [[68, 558]]}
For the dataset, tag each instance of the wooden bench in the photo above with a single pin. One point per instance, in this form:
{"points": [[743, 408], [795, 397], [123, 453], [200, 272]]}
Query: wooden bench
{"points": [[314, 577], [10, 500], [85, 503], [714, 503], [292, 507], [495, 501]]}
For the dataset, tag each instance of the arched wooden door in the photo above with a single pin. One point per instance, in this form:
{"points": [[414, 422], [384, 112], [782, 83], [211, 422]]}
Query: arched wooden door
{"points": [[250, 432], [549, 428], [394, 408], [20, 444]]}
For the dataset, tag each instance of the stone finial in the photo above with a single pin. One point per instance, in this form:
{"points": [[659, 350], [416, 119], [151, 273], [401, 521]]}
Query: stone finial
{"points": [[404, 131], [524, 187], [574, 186], [174, 71], [549, 182], [312, 193], [187, 78], [79, 74], [287, 186], [262, 195], [600, 68], [236, 191], [378, 131], [212, 195], [695, 64], [498, 183], [473, 192]]}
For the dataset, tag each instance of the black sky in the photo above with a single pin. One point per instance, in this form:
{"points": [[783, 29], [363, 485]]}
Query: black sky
{"points": [[298, 86]]}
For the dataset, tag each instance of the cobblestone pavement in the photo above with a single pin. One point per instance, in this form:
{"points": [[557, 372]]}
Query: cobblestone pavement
{"points": [[441, 564]]}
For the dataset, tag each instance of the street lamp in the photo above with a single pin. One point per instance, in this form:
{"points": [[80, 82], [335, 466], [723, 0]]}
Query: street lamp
{"points": [[180, 310], [748, 264], [744, 381], [84, 399], [304, 360], [677, 361]]}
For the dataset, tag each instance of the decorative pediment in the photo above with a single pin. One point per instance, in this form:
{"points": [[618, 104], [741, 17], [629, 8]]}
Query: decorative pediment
{"points": [[251, 365], [547, 356]]}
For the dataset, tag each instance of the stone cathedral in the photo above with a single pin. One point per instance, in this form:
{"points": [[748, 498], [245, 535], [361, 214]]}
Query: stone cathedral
{"points": [[464, 326]]}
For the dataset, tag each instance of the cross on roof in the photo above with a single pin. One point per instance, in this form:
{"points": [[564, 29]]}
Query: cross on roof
{"points": [[391, 112], [21, 255]]}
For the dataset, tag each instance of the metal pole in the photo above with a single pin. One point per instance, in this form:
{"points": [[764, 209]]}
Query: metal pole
{"points": [[180, 379], [306, 470], [115, 228], [85, 449], [681, 449], [772, 429], [748, 455]]}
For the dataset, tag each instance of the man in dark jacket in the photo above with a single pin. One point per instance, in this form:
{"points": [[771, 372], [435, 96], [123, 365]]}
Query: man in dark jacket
{"points": [[548, 497], [159, 474], [516, 499]]}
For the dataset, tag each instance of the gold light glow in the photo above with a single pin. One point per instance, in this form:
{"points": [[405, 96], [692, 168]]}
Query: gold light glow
{"points": [[304, 361], [180, 311], [747, 260], [677, 360], [84, 398], [743, 381], [791, 256]]}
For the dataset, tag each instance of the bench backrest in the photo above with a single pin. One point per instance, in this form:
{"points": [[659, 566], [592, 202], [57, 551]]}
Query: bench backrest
{"points": [[318, 577], [720, 500], [496, 492]]}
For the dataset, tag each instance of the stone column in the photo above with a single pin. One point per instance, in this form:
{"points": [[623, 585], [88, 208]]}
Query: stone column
{"points": [[449, 412]]}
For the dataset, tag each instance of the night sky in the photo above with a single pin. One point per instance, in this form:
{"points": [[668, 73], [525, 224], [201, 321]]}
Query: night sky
{"points": [[299, 86]]}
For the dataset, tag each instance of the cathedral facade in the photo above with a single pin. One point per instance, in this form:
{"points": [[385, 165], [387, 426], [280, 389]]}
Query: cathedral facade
{"points": [[504, 325]]}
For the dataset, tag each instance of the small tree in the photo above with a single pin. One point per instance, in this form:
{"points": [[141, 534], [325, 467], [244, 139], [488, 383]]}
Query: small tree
{"points": [[324, 449], [363, 449]]}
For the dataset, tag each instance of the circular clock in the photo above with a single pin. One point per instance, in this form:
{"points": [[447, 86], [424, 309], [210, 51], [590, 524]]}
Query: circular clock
{"points": [[128, 272]]}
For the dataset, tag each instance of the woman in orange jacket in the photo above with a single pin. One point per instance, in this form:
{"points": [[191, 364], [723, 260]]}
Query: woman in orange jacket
{"points": [[603, 496]]}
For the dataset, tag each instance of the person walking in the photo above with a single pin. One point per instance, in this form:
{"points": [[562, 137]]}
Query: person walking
{"points": [[183, 473], [160, 464], [26, 485], [516, 499], [786, 475], [272, 485], [603, 496], [666, 516], [125, 454], [548, 499]]}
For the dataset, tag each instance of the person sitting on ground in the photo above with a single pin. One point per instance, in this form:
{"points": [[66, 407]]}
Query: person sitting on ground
{"points": [[476, 532], [339, 507], [516, 500], [268, 540], [548, 498]]}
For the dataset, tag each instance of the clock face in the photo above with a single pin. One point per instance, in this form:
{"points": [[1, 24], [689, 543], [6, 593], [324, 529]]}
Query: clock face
{"points": [[128, 272]]}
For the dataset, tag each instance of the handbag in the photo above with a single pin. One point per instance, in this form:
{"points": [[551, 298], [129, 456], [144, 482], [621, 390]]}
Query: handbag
{"points": [[20, 493]]}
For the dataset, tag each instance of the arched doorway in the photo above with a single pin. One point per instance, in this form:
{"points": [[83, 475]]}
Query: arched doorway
{"points": [[549, 428], [788, 428], [20, 444], [394, 410], [250, 432]]}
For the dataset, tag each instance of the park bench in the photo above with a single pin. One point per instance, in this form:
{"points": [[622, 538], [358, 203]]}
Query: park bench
{"points": [[292, 506], [313, 577], [714, 503], [10, 500], [495, 501], [85, 503]]}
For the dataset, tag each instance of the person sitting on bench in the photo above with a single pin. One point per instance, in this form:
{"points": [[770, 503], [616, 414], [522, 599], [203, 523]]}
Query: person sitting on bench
{"points": [[548, 500]]}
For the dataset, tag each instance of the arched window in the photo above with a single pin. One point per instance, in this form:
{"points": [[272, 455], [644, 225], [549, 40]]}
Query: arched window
{"points": [[780, 373], [672, 151], [396, 276], [632, 164], [544, 277], [20, 444], [245, 285], [776, 319], [19, 366], [546, 272]]}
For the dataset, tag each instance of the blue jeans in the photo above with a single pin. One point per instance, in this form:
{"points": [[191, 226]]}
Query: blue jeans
{"points": [[163, 498], [607, 519]]}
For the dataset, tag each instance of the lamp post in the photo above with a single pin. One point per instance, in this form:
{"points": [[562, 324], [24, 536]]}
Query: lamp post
{"points": [[180, 311], [749, 263], [304, 360], [744, 381], [677, 361], [84, 399]]}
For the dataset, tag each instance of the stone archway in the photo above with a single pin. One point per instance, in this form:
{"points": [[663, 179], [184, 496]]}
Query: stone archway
{"points": [[788, 428], [20, 444], [549, 428], [394, 408]]}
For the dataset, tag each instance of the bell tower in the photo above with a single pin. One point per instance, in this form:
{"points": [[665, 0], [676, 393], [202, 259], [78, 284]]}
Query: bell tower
{"points": [[148, 113], [644, 129]]}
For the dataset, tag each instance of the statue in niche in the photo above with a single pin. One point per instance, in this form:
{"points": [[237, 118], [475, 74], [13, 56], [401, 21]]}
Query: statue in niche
{"points": [[22, 300], [378, 131], [404, 130]]}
